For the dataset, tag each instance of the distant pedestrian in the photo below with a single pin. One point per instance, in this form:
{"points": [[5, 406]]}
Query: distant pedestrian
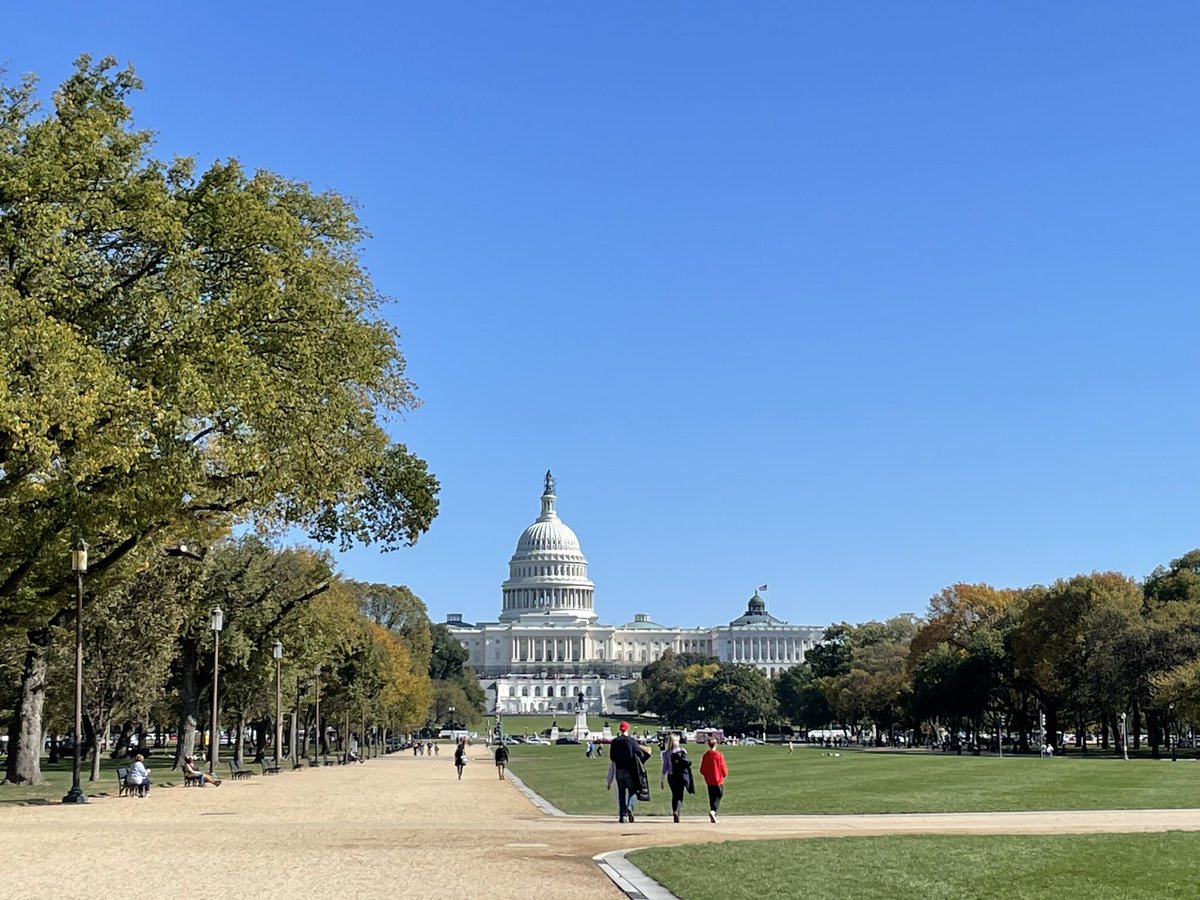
{"points": [[501, 759], [460, 756], [626, 767], [714, 770], [677, 772], [436, 752], [791, 747]]}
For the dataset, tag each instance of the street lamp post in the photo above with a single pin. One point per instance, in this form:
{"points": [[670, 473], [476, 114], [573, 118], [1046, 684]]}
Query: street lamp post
{"points": [[278, 703], [1171, 729], [317, 748], [450, 717], [1000, 734], [1124, 738], [214, 739], [79, 563]]}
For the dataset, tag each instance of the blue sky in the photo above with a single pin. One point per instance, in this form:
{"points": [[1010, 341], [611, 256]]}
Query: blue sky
{"points": [[855, 300]]}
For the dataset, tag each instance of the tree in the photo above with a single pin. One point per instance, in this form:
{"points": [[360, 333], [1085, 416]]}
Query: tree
{"points": [[670, 686], [738, 695], [1066, 635], [401, 612], [800, 699], [176, 351]]}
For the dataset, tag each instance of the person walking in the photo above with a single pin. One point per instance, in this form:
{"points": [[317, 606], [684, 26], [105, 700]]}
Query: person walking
{"points": [[626, 766], [714, 770], [460, 756], [501, 759], [677, 772]]}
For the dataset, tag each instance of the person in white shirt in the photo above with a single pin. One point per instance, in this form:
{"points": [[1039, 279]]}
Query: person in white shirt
{"points": [[139, 776]]}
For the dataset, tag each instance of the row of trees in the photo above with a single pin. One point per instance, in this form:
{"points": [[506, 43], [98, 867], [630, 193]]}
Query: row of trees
{"points": [[181, 354], [1075, 656], [149, 653]]}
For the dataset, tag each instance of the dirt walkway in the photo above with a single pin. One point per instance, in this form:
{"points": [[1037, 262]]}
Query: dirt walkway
{"points": [[402, 824]]}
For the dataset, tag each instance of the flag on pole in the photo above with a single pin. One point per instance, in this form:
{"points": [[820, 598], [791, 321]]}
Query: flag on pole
{"points": [[762, 587]]}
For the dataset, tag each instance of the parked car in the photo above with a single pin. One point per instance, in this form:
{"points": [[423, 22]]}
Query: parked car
{"points": [[537, 740], [566, 740]]}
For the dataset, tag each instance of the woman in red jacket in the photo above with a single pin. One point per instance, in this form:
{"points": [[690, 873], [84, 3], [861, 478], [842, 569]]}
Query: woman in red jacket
{"points": [[714, 770]]}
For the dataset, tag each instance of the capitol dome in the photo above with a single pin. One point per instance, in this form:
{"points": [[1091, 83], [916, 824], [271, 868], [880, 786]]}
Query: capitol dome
{"points": [[547, 575]]}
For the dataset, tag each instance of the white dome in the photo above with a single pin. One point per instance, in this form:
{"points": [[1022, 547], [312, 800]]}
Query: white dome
{"points": [[547, 575], [549, 535]]}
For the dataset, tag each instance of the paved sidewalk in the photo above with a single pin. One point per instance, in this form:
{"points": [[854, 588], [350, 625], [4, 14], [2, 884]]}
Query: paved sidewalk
{"points": [[404, 824]]}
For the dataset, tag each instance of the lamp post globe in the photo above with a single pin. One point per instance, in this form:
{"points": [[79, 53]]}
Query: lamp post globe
{"points": [[79, 564], [217, 622]]}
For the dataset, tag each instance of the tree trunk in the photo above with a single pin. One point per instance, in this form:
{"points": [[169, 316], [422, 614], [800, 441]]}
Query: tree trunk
{"points": [[260, 738], [239, 745], [24, 764], [141, 739], [1137, 726], [189, 699], [1153, 730], [121, 747], [96, 738]]}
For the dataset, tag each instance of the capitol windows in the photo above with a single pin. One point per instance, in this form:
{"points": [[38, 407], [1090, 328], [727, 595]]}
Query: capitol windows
{"points": [[562, 691], [525, 690], [537, 691], [512, 691]]}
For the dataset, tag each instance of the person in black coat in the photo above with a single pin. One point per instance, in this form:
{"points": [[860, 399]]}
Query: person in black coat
{"points": [[626, 758]]}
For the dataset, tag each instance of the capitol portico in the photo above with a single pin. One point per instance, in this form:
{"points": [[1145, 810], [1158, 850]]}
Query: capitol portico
{"points": [[547, 647]]}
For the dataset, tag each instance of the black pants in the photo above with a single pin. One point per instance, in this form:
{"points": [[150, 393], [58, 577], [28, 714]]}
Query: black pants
{"points": [[715, 793], [676, 783]]}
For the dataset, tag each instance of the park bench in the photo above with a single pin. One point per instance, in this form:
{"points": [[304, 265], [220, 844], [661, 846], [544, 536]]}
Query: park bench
{"points": [[236, 772], [269, 769], [124, 788], [196, 780]]}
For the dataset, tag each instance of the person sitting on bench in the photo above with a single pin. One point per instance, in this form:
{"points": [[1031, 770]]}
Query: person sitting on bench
{"points": [[139, 776], [190, 770]]}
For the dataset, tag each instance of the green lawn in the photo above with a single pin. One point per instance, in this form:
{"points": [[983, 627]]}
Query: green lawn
{"points": [[941, 867], [769, 780]]}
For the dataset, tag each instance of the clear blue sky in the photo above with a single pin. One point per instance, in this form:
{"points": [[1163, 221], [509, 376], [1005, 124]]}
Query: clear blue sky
{"points": [[858, 300]]}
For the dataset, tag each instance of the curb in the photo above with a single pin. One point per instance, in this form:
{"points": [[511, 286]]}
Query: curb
{"points": [[636, 884], [536, 799]]}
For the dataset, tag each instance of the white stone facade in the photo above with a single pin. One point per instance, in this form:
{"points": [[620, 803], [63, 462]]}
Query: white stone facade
{"points": [[547, 648]]}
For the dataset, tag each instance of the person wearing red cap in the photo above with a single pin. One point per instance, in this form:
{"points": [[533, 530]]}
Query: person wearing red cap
{"points": [[626, 757]]}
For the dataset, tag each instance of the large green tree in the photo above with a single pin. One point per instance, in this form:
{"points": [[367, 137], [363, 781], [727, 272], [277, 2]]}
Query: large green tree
{"points": [[175, 348]]}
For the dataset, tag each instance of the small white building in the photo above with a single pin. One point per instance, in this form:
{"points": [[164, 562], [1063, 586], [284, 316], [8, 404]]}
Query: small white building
{"points": [[547, 649]]}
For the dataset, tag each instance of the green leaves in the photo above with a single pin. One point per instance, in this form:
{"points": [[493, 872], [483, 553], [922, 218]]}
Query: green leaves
{"points": [[178, 350]]}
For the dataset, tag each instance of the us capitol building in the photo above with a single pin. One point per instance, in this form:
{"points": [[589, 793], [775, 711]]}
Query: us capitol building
{"points": [[547, 648]]}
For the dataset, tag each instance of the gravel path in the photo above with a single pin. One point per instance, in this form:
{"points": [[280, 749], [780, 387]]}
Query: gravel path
{"points": [[403, 824]]}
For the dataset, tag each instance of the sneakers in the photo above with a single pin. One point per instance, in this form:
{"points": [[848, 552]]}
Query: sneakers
{"points": [[712, 816], [676, 817], [630, 814]]}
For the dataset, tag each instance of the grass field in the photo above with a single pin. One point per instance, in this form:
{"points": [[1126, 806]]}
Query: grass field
{"points": [[1096, 867], [769, 780]]}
